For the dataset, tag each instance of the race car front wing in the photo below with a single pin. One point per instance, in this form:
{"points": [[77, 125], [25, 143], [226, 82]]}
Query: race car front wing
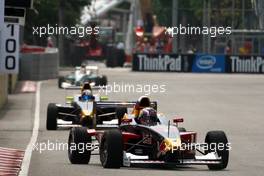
{"points": [[210, 158]]}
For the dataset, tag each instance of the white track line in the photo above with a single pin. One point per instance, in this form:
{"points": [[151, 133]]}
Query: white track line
{"points": [[33, 139]]}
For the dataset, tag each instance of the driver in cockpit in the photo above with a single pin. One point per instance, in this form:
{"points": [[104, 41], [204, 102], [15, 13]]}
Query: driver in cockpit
{"points": [[142, 102], [148, 116], [87, 95]]}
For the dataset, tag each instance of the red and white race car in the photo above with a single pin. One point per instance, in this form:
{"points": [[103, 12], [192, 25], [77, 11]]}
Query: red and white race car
{"points": [[158, 142]]}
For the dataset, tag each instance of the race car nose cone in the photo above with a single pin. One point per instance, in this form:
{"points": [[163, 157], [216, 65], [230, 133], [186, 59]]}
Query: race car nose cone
{"points": [[171, 144]]}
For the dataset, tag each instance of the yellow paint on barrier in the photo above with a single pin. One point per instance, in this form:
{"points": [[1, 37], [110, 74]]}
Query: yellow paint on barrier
{"points": [[13, 82], [3, 89]]}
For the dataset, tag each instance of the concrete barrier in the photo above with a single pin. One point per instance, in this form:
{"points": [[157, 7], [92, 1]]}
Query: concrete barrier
{"points": [[39, 66], [3, 89]]}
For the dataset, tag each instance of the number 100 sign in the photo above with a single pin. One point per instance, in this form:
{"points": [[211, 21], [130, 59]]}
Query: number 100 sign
{"points": [[9, 48]]}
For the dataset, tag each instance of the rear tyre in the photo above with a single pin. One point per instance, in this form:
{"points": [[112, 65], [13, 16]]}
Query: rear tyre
{"points": [[52, 113], [78, 150], [103, 81], [78, 83], [120, 112], [61, 79], [219, 140], [111, 149]]}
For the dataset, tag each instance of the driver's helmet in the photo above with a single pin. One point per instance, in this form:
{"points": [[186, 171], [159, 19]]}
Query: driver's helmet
{"points": [[83, 69], [87, 95], [86, 86], [142, 102], [148, 116]]}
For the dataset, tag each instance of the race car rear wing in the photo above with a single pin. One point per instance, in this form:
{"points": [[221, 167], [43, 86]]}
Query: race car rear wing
{"points": [[88, 68], [80, 87], [114, 104], [127, 104]]}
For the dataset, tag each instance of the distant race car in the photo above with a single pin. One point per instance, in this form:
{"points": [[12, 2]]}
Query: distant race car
{"points": [[79, 110], [157, 142], [81, 75]]}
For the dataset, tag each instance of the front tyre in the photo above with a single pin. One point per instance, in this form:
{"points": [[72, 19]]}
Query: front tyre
{"points": [[78, 150], [61, 79], [103, 81], [219, 140], [52, 113], [111, 149]]}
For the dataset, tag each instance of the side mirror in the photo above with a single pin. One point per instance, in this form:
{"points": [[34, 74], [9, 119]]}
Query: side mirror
{"points": [[177, 120], [69, 99]]}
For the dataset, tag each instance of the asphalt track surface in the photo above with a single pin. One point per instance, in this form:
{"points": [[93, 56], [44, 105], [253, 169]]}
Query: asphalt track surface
{"points": [[230, 102]]}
